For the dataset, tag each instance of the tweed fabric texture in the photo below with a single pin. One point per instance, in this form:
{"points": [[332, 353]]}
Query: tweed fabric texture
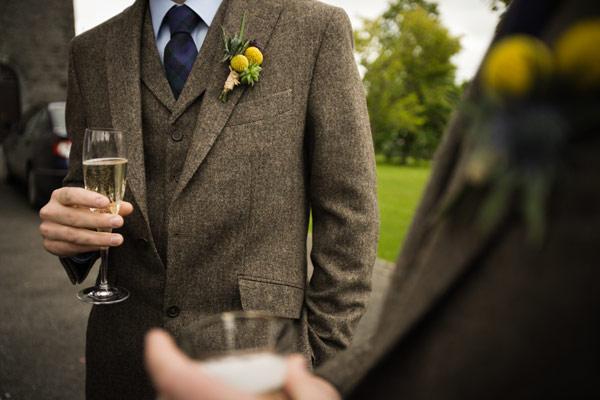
{"points": [[235, 222], [472, 315]]}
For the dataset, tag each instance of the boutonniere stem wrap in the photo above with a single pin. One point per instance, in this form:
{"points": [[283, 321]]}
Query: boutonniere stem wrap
{"points": [[244, 57]]}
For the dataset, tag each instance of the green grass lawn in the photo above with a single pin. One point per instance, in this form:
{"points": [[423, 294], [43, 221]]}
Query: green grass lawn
{"points": [[399, 191]]}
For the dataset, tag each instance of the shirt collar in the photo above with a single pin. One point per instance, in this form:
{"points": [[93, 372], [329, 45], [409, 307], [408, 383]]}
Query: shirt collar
{"points": [[206, 9]]}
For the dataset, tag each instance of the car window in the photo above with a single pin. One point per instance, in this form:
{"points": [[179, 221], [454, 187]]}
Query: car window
{"points": [[57, 116]]}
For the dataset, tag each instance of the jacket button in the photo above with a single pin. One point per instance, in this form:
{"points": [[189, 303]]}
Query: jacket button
{"points": [[143, 241], [173, 311], [177, 136]]}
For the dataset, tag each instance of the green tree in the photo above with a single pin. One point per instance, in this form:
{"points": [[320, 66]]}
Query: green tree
{"points": [[410, 78]]}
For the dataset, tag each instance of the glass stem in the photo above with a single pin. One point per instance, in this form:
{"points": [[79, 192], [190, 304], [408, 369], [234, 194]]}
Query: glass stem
{"points": [[104, 264], [104, 268]]}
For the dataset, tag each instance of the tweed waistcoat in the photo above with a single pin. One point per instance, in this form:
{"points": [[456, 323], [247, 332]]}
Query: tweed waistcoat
{"points": [[165, 143]]}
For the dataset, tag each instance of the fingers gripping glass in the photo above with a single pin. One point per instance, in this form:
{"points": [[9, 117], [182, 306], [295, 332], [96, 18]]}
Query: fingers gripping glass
{"points": [[104, 172]]}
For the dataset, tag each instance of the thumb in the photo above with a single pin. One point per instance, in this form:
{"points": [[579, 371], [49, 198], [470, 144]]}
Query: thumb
{"points": [[164, 360], [177, 377], [297, 378], [302, 385]]}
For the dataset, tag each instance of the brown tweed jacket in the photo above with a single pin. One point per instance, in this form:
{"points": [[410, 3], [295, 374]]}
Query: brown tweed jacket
{"points": [[236, 217], [485, 316]]}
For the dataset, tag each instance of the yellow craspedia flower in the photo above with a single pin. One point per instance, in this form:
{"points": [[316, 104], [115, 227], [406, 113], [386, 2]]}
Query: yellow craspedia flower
{"points": [[578, 53], [515, 64], [239, 63], [254, 55]]}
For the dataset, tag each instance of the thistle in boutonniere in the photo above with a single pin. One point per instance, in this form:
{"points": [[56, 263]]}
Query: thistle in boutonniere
{"points": [[535, 99], [244, 58]]}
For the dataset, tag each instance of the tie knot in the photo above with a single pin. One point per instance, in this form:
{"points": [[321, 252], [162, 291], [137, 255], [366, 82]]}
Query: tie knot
{"points": [[181, 19]]}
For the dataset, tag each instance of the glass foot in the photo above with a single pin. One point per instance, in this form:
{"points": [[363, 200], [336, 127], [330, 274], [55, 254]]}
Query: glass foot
{"points": [[98, 295]]}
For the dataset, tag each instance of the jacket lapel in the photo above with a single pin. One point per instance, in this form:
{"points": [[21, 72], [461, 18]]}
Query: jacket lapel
{"points": [[209, 74], [450, 254], [123, 72]]}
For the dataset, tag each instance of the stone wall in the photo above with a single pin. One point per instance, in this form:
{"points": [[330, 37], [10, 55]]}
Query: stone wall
{"points": [[34, 40]]}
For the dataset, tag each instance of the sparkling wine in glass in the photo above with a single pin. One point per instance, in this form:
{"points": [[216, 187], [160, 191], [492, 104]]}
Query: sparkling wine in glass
{"points": [[104, 172]]}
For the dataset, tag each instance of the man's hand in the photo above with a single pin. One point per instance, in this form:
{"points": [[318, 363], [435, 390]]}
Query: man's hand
{"points": [[176, 377], [68, 226]]}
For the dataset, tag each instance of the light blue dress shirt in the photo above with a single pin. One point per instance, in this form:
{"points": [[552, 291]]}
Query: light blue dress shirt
{"points": [[206, 9]]}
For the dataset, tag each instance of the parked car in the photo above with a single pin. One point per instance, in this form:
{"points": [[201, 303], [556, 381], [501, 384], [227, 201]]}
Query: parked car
{"points": [[37, 150]]}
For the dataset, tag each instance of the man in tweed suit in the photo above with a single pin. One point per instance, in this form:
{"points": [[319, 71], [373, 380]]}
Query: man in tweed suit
{"points": [[473, 315], [219, 194]]}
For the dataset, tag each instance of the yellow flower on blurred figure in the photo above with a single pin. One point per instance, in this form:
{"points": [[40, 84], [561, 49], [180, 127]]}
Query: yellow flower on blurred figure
{"points": [[254, 55], [239, 63], [578, 53], [515, 65]]}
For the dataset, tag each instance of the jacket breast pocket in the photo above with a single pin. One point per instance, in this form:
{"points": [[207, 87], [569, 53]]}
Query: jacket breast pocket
{"points": [[263, 108], [276, 298]]}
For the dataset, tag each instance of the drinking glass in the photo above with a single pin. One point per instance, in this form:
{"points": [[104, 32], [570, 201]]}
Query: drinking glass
{"points": [[104, 172], [243, 349]]}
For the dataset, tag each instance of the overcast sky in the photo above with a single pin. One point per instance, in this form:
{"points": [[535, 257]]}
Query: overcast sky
{"points": [[472, 20]]}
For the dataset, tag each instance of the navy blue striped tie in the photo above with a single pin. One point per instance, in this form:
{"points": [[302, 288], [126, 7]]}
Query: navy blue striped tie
{"points": [[181, 51]]}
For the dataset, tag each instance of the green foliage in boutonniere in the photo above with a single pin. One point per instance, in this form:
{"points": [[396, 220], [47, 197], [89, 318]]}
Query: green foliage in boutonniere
{"points": [[534, 100], [244, 57]]}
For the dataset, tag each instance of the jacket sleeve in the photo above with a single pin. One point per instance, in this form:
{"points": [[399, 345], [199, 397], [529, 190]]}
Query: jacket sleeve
{"points": [[342, 193], [77, 268]]}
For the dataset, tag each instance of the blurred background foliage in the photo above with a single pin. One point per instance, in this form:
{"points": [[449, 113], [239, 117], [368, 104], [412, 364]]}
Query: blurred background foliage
{"points": [[410, 79], [406, 56]]}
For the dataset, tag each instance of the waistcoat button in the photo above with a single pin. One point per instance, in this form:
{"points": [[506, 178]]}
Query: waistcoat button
{"points": [[173, 311], [177, 136]]}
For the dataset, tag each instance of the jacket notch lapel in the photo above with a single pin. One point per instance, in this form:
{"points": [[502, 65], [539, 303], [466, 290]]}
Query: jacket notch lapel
{"points": [[123, 72], [449, 253], [261, 19]]}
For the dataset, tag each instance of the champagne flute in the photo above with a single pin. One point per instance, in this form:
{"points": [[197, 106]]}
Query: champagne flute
{"points": [[104, 172]]}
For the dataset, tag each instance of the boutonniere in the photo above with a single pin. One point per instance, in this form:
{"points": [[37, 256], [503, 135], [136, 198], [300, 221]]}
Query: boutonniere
{"points": [[535, 99], [244, 58]]}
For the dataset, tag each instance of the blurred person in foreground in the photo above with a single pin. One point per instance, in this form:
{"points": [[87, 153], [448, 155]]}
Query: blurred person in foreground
{"points": [[495, 294], [242, 118]]}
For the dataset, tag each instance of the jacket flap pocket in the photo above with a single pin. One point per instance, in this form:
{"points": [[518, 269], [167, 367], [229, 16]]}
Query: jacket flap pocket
{"points": [[262, 108], [276, 298]]}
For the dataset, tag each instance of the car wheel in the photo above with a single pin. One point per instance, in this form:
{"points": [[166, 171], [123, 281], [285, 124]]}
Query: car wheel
{"points": [[33, 192]]}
